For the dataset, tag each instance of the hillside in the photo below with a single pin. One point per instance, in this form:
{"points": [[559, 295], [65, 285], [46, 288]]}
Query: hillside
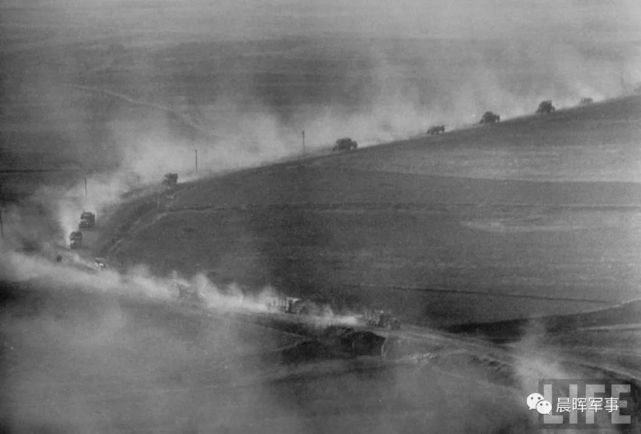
{"points": [[537, 215]]}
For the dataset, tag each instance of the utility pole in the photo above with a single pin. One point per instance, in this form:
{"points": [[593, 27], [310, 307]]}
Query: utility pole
{"points": [[86, 195], [196, 159], [303, 134], [624, 87], [1, 226]]}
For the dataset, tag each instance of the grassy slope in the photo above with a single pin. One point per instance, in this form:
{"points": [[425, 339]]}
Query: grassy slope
{"points": [[407, 226]]}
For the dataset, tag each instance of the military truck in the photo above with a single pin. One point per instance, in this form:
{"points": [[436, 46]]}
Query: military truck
{"points": [[382, 319], [296, 306], [170, 180], [545, 107], [490, 118], [87, 220], [345, 144], [436, 130], [75, 240]]}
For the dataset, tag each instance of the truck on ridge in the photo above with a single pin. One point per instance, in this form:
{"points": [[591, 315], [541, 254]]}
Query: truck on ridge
{"points": [[545, 107], [436, 130], [345, 144], [170, 180], [490, 118]]}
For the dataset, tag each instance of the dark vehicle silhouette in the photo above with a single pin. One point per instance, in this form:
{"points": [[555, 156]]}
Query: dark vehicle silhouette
{"points": [[345, 144], [170, 180], [490, 118], [545, 107], [75, 240], [382, 319], [87, 220], [436, 130]]}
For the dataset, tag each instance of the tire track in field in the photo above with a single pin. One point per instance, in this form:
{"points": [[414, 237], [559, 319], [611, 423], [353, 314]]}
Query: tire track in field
{"points": [[154, 106]]}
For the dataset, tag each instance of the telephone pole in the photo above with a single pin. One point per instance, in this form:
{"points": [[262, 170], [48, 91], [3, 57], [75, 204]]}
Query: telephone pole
{"points": [[196, 159], [303, 134], [86, 195], [1, 226]]}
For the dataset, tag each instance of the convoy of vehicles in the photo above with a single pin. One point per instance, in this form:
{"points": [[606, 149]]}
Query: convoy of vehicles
{"points": [[87, 221], [297, 306], [377, 319]]}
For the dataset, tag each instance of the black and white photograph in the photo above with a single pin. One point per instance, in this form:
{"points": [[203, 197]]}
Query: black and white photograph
{"points": [[338, 216]]}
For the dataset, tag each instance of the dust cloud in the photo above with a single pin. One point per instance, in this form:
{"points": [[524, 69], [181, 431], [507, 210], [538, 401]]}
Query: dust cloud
{"points": [[104, 352], [121, 92], [91, 350], [137, 88]]}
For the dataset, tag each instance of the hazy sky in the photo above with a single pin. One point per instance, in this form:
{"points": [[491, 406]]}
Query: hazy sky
{"points": [[474, 18], [486, 19], [358, 82]]}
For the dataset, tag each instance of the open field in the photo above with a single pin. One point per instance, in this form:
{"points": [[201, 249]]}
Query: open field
{"points": [[392, 226]]}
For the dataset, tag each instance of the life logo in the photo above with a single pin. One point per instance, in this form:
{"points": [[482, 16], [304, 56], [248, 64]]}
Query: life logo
{"points": [[586, 403], [536, 401]]}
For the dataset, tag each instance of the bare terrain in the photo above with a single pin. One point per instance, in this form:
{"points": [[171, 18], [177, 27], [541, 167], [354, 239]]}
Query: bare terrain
{"points": [[509, 251], [392, 226]]}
